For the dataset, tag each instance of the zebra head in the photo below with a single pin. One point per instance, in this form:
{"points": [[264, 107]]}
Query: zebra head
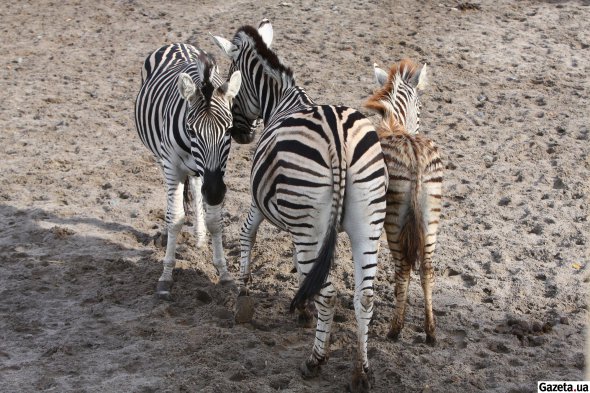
{"points": [[208, 118], [244, 56], [398, 100]]}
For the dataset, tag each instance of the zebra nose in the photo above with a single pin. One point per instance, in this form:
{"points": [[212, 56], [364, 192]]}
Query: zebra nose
{"points": [[213, 188]]}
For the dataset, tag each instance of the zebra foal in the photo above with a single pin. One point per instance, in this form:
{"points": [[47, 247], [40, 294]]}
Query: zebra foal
{"points": [[316, 169], [182, 114], [415, 185]]}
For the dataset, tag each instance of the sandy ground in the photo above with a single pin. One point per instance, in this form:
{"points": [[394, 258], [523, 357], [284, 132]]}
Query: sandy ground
{"points": [[81, 200]]}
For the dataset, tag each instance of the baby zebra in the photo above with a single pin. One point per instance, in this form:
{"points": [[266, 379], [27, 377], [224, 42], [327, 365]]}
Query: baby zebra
{"points": [[182, 114], [414, 191]]}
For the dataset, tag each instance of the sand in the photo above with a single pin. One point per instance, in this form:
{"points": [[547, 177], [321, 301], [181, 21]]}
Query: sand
{"points": [[81, 201]]}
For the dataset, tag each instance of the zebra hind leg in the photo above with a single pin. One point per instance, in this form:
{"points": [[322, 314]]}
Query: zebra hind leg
{"points": [[427, 280], [402, 283], [174, 221], [325, 304], [244, 303]]}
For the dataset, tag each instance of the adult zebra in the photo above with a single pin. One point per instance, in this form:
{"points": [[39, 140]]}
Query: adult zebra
{"points": [[182, 114], [415, 185], [316, 169]]}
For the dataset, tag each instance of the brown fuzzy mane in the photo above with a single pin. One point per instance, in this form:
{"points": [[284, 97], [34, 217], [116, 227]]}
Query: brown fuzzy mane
{"points": [[263, 51], [390, 124]]}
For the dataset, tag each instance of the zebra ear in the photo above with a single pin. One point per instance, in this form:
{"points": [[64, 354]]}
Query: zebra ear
{"points": [[227, 47], [187, 87], [233, 85], [380, 75], [420, 79], [266, 32]]}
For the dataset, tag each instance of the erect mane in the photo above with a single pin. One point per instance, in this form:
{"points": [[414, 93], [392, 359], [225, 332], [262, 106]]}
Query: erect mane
{"points": [[209, 65], [264, 52], [405, 71]]}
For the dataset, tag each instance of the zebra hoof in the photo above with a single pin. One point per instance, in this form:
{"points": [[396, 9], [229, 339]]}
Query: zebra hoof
{"points": [[309, 370], [431, 340], [164, 289], [244, 309], [226, 278], [361, 382]]}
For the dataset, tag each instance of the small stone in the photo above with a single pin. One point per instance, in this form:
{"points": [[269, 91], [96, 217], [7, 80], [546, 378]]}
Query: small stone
{"points": [[107, 186], [564, 320], [504, 201]]}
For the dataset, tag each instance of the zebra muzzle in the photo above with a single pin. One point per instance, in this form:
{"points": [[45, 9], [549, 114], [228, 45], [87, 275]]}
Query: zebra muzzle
{"points": [[213, 188]]}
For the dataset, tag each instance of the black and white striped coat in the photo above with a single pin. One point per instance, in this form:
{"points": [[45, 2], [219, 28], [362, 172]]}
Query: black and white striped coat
{"points": [[182, 114], [317, 168]]}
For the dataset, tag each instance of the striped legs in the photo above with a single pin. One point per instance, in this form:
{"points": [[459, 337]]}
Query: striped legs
{"points": [[244, 304], [174, 220], [427, 280], [214, 223], [363, 222], [247, 239], [325, 303], [199, 224], [402, 282]]}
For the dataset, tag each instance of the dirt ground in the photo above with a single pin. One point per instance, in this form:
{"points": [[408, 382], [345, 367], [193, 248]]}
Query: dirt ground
{"points": [[81, 200]]}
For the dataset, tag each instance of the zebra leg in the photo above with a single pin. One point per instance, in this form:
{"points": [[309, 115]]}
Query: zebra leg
{"points": [[199, 225], [214, 223], [174, 220], [402, 283], [364, 251], [427, 280], [244, 304], [325, 303]]}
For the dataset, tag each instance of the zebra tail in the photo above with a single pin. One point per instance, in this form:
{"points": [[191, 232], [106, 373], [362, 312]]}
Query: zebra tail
{"points": [[412, 236], [318, 275], [188, 197]]}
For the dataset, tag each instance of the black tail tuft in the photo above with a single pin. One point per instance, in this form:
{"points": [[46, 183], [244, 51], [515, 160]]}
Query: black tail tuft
{"points": [[318, 274]]}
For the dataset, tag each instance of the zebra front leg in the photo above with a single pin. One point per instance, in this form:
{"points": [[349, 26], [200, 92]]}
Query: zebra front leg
{"points": [[325, 303], [214, 223], [244, 304], [199, 224], [174, 220], [427, 280]]}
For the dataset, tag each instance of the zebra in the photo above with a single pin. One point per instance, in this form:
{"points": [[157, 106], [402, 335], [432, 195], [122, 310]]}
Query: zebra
{"points": [[182, 114], [415, 185], [316, 169]]}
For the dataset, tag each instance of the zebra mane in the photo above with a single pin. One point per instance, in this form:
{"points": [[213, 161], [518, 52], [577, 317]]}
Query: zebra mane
{"points": [[265, 54], [382, 100], [208, 67]]}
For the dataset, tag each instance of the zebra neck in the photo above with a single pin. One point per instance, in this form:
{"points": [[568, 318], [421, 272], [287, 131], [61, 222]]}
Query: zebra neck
{"points": [[292, 99]]}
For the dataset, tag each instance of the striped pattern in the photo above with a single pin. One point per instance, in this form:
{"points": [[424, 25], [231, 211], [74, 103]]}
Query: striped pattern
{"points": [[187, 135], [415, 188], [316, 169]]}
